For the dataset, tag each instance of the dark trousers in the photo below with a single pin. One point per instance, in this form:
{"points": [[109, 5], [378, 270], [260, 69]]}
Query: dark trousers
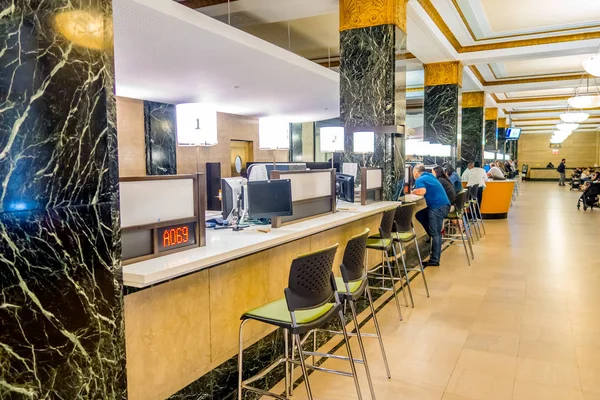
{"points": [[432, 220], [480, 195]]}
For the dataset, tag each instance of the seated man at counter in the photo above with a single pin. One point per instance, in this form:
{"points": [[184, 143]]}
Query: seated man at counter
{"points": [[477, 176], [465, 175], [432, 217], [496, 173]]}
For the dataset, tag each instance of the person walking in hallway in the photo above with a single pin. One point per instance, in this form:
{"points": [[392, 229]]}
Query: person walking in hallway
{"points": [[432, 217], [562, 169]]}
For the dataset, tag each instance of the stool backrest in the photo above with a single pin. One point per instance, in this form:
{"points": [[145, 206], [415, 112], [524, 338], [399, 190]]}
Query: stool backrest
{"points": [[473, 192], [387, 224], [461, 199], [353, 264], [311, 283], [403, 218]]}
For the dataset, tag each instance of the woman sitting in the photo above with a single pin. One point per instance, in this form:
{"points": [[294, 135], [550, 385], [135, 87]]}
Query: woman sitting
{"points": [[446, 184]]}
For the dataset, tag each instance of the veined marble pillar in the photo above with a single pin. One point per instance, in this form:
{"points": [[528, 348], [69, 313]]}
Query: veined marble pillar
{"points": [[373, 83], [160, 127], [472, 127], [442, 108], [61, 313], [502, 136], [491, 130]]}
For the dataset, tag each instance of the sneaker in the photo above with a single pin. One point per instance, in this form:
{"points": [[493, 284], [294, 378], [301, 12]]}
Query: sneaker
{"points": [[431, 264]]}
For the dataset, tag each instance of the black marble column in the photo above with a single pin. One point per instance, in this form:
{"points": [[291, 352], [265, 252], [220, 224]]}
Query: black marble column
{"points": [[296, 142], [491, 130], [61, 311], [373, 94], [441, 118], [472, 128], [160, 125], [502, 136]]}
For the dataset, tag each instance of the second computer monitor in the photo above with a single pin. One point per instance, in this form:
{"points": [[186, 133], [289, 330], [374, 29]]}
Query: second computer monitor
{"points": [[344, 187], [231, 190], [269, 199]]}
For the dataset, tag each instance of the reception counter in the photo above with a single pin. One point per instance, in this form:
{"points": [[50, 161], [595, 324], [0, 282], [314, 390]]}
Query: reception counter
{"points": [[182, 310], [546, 174]]}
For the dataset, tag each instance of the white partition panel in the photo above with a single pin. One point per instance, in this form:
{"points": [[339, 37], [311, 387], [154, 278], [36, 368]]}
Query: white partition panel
{"points": [[146, 202], [309, 185], [374, 178]]}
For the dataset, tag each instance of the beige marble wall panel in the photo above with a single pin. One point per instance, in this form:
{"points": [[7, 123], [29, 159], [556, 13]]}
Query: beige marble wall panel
{"points": [[230, 127], [130, 135], [579, 149], [167, 335]]}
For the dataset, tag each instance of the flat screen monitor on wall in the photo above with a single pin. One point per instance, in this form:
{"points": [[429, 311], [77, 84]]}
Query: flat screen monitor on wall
{"points": [[513, 133]]}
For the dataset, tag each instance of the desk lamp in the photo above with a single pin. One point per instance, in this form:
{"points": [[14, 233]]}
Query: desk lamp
{"points": [[332, 140]]}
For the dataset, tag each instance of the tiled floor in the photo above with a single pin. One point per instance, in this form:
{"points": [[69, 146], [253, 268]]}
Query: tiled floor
{"points": [[523, 322]]}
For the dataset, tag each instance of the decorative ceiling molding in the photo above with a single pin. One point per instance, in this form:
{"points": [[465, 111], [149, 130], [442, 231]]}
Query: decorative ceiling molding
{"points": [[510, 81], [477, 39], [531, 99], [447, 32], [542, 111]]}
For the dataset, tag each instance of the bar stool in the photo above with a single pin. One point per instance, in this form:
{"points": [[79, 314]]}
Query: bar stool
{"points": [[351, 286], [310, 301], [458, 215], [384, 243], [471, 215], [477, 210]]}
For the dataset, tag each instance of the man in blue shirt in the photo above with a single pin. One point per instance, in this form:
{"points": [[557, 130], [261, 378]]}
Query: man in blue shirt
{"points": [[438, 206]]}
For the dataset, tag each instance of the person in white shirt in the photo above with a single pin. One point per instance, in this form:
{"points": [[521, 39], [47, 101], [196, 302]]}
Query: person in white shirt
{"points": [[465, 175], [495, 172], [478, 176]]}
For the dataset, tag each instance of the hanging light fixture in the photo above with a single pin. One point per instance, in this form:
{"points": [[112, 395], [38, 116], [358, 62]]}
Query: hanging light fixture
{"points": [[574, 117], [586, 100], [566, 127], [592, 65]]}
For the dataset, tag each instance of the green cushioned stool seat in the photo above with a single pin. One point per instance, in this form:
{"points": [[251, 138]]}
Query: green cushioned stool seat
{"points": [[277, 312], [401, 236], [341, 286], [453, 215], [378, 243]]}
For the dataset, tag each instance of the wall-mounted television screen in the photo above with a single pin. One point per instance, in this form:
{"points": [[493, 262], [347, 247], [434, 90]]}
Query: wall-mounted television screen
{"points": [[513, 133]]}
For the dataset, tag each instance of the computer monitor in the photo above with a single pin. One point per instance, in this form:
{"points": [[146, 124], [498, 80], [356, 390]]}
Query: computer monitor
{"points": [[344, 187], [231, 190], [269, 199], [513, 133]]}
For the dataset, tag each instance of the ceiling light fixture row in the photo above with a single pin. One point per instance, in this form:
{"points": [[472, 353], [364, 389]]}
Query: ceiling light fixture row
{"points": [[585, 99]]}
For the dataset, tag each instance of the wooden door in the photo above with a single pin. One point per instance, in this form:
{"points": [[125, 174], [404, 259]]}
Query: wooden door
{"points": [[243, 150]]}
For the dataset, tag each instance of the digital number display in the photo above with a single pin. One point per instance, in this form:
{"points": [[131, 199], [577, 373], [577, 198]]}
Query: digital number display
{"points": [[172, 237]]}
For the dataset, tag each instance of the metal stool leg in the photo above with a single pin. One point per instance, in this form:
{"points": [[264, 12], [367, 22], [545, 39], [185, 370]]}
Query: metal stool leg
{"points": [[350, 357], [481, 218], [303, 366], [421, 264], [397, 269], [412, 301], [469, 243], [362, 348], [378, 332], [394, 293], [287, 363], [474, 219], [292, 380], [462, 235], [240, 359]]}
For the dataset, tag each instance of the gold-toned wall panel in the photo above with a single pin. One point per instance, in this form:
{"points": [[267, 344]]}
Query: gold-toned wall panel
{"points": [[579, 149], [491, 114], [502, 123], [365, 13], [131, 137], [473, 99], [167, 337], [445, 73]]}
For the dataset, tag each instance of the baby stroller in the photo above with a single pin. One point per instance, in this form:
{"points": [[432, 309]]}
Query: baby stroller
{"points": [[589, 198], [575, 181]]}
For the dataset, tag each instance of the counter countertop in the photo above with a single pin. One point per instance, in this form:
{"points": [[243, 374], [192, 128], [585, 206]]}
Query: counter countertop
{"points": [[225, 245]]}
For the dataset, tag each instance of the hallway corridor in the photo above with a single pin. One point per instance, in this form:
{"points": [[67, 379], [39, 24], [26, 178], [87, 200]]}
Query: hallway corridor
{"points": [[523, 322]]}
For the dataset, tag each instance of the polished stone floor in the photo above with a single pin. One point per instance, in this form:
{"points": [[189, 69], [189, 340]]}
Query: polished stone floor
{"points": [[522, 322]]}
